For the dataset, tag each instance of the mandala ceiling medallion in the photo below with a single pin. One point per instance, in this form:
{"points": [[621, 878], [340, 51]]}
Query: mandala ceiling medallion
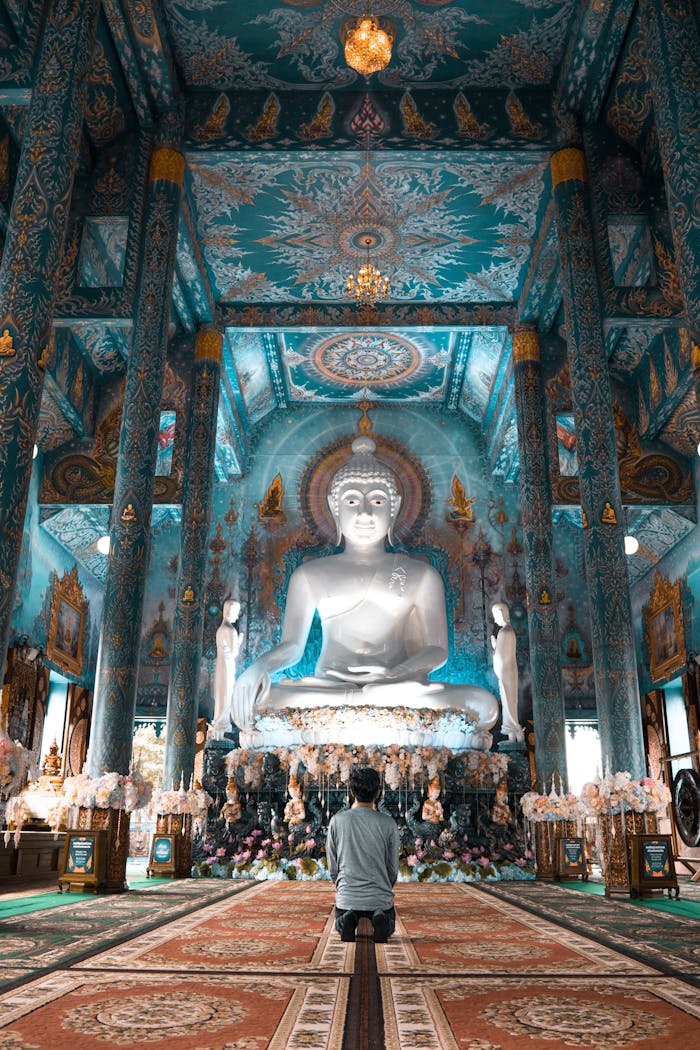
{"points": [[367, 44]]}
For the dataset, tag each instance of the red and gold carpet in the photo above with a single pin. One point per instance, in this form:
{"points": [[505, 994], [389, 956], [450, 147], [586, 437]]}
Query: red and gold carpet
{"points": [[263, 968]]}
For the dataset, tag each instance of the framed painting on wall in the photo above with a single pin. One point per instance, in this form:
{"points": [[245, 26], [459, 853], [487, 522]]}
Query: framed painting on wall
{"points": [[663, 628], [67, 623]]}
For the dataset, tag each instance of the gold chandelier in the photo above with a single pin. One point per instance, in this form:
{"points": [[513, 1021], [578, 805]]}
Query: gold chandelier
{"points": [[367, 286], [367, 45]]}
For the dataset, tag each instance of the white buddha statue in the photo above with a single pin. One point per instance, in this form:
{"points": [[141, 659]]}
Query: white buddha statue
{"points": [[383, 620], [505, 667], [228, 644]]}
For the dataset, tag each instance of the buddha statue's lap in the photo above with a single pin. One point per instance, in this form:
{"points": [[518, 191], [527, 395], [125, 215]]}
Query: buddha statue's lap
{"points": [[382, 615]]}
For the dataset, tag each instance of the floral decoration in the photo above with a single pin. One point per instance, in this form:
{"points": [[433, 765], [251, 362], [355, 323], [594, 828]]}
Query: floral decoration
{"points": [[399, 766], [618, 792], [110, 791], [546, 808], [15, 763], [450, 858], [194, 802]]}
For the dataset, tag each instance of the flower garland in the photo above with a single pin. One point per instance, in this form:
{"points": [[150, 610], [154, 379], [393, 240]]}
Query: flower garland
{"points": [[346, 715], [399, 766]]}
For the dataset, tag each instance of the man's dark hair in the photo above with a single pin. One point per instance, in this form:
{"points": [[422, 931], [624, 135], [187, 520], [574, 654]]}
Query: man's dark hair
{"points": [[364, 783]]}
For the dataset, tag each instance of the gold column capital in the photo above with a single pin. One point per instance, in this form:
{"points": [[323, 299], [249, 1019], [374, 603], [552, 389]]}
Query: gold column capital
{"points": [[208, 345], [168, 164], [568, 164], [526, 345]]}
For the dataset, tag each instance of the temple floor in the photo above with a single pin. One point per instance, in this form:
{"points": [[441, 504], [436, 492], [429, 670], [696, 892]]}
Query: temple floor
{"points": [[210, 965]]}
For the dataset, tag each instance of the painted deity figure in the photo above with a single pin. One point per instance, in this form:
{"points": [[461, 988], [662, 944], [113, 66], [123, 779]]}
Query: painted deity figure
{"points": [[432, 811], [228, 643], [506, 669], [383, 618]]}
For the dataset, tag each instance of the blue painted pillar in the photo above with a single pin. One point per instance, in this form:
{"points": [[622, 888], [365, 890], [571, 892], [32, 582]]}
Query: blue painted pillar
{"points": [[120, 636], [673, 63], [612, 636], [30, 263], [181, 722], [536, 505]]}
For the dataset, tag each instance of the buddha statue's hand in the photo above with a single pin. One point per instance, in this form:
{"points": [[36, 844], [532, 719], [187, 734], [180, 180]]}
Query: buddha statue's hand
{"points": [[251, 689], [358, 674]]}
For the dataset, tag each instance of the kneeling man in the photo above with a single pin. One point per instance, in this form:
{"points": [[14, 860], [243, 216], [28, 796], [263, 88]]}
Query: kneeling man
{"points": [[362, 850]]}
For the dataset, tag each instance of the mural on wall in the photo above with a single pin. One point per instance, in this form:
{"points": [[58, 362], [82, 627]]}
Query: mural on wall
{"points": [[69, 609], [75, 624], [84, 470], [247, 353], [664, 630]]}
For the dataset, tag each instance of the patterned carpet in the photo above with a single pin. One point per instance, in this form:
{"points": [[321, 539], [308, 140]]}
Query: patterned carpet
{"points": [[669, 942], [169, 968]]}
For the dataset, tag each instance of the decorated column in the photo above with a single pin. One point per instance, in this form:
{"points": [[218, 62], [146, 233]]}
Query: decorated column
{"points": [[536, 505], [673, 63], [30, 263], [181, 723], [612, 636], [117, 664]]}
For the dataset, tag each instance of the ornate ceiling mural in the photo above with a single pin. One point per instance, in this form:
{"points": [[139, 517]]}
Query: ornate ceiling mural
{"points": [[297, 43], [380, 366], [292, 226]]}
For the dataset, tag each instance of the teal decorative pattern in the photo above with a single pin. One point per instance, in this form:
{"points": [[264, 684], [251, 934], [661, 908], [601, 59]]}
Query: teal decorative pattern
{"points": [[614, 659], [116, 679], [538, 543], [290, 227], [30, 261], [515, 42], [673, 60], [181, 720]]}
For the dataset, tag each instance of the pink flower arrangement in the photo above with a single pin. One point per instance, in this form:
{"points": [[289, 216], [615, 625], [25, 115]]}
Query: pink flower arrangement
{"points": [[551, 807], [617, 792]]}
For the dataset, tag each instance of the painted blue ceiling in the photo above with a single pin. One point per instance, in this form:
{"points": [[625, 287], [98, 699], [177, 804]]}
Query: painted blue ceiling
{"points": [[290, 227], [297, 43]]}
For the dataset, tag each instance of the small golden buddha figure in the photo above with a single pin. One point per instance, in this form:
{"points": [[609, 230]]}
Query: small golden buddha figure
{"points": [[231, 811], [51, 767], [432, 811], [294, 811], [500, 814]]}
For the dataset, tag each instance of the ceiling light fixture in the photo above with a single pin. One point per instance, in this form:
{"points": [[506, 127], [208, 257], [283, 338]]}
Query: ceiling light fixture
{"points": [[367, 286], [103, 545], [367, 44]]}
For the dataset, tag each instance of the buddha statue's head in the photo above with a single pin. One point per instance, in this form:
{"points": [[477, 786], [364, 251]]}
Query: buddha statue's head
{"points": [[365, 474]]}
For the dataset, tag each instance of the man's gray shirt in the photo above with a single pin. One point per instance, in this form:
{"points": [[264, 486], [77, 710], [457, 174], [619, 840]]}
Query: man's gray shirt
{"points": [[362, 850]]}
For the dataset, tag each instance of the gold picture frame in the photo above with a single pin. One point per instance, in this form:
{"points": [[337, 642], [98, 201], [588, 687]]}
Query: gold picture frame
{"points": [[663, 628], [69, 607]]}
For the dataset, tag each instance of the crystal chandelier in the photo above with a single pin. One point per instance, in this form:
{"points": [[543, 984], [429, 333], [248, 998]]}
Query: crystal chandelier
{"points": [[367, 286], [367, 45]]}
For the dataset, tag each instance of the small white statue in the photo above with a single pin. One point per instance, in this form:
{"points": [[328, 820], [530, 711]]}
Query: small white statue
{"points": [[228, 643], [506, 669]]}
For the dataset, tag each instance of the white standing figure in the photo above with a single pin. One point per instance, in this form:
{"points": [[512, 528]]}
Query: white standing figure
{"points": [[506, 669], [228, 643]]}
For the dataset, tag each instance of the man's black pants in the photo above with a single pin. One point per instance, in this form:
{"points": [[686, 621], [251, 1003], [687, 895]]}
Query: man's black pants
{"points": [[367, 914]]}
